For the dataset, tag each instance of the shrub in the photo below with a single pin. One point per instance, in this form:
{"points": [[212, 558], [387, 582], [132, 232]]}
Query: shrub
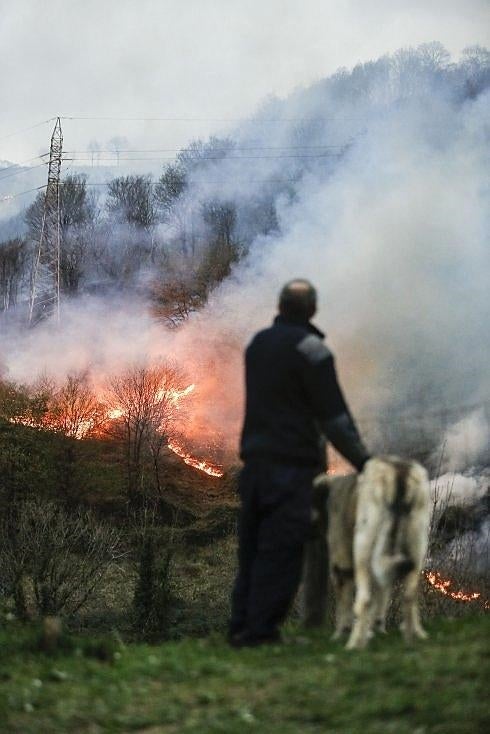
{"points": [[152, 603], [52, 562]]}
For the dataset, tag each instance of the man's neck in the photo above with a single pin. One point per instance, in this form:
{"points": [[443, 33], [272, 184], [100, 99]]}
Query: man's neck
{"points": [[304, 323]]}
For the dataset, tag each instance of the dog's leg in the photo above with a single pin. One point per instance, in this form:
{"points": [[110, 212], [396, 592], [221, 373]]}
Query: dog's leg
{"points": [[417, 541], [337, 588], [343, 583], [383, 595], [365, 534], [363, 610], [347, 602], [412, 626]]}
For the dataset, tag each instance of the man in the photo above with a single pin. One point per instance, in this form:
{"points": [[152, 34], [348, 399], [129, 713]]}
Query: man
{"points": [[293, 404]]}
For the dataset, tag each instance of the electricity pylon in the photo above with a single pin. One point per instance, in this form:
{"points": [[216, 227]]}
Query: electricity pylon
{"points": [[45, 286]]}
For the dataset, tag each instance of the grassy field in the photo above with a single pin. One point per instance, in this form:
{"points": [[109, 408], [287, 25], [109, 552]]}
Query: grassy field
{"points": [[195, 683], [308, 684]]}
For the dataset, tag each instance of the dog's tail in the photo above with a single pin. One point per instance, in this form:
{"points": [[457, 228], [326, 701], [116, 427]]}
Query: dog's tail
{"points": [[391, 561], [387, 569]]}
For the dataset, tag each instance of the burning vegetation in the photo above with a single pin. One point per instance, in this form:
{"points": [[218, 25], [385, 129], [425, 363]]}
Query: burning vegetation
{"points": [[145, 408], [147, 412], [446, 587], [213, 470]]}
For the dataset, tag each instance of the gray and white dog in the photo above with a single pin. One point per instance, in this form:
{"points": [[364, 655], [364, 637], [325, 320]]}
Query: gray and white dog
{"points": [[378, 526]]}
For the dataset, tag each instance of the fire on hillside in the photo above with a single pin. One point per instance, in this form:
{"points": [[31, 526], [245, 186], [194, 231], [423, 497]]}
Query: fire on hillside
{"points": [[83, 427], [212, 470], [110, 418], [445, 587], [173, 396]]}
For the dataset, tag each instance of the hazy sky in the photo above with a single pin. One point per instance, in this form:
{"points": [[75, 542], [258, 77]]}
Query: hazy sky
{"points": [[192, 58]]}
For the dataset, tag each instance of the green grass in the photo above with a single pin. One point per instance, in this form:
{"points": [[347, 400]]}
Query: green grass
{"points": [[308, 684]]}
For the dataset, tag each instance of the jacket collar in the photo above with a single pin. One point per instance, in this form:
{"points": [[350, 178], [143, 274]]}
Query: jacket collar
{"points": [[299, 322]]}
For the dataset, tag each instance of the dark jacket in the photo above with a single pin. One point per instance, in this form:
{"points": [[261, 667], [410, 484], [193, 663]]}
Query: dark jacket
{"points": [[293, 399]]}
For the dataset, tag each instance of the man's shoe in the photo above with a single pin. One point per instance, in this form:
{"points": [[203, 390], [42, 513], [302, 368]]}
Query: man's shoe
{"points": [[239, 641], [234, 638]]}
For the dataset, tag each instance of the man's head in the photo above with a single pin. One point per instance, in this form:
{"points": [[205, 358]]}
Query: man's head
{"points": [[297, 300]]}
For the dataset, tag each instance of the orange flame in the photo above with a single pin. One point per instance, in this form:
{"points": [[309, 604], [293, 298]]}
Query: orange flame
{"points": [[213, 470], [444, 587], [114, 414], [174, 396]]}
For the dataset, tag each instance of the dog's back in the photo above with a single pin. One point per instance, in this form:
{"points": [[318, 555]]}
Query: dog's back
{"points": [[390, 542], [392, 517], [377, 532]]}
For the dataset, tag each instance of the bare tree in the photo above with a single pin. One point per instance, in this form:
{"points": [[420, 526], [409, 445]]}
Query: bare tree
{"points": [[14, 400], [223, 250], [220, 217], [71, 408], [94, 148], [434, 55], [74, 409], [78, 211], [117, 143], [476, 57], [41, 394], [76, 206], [175, 294], [476, 66], [13, 255], [144, 405], [175, 300], [131, 200], [169, 188], [199, 154], [51, 560]]}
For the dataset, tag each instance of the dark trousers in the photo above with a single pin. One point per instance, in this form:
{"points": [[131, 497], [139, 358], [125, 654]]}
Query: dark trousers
{"points": [[274, 523]]}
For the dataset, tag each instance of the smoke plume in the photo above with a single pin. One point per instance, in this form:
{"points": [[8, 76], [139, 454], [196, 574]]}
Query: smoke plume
{"points": [[392, 228]]}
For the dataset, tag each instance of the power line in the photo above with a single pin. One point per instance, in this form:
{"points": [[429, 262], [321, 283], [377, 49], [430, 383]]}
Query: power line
{"points": [[21, 193], [22, 163], [26, 129], [118, 159], [22, 170], [256, 120], [156, 183], [216, 158], [152, 183], [230, 149]]}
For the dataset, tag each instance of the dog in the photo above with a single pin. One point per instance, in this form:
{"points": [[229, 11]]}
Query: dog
{"points": [[378, 527]]}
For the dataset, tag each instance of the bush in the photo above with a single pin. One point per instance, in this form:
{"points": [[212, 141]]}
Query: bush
{"points": [[52, 562], [153, 599]]}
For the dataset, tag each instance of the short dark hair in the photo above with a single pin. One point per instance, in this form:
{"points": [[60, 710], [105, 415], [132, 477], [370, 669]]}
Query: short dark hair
{"points": [[297, 300]]}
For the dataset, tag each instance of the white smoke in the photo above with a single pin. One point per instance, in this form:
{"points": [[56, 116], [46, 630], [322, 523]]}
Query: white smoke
{"points": [[102, 334], [394, 236], [460, 520], [466, 443], [457, 490], [396, 242]]}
